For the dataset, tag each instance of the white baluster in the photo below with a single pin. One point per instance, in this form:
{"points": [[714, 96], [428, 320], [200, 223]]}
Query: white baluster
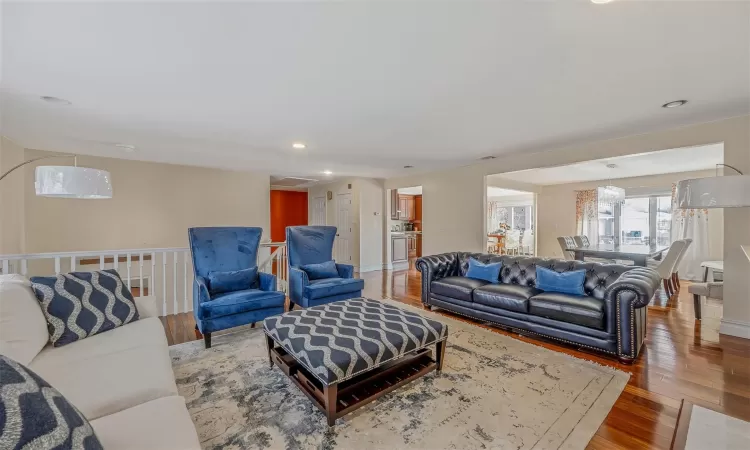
{"points": [[151, 290], [57, 265], [116, 262], [72, 263], [128, 263], [174, 284], [140, 274], [24, 267], [101, 262], [6, 267], [185, 258], [164, 281]]}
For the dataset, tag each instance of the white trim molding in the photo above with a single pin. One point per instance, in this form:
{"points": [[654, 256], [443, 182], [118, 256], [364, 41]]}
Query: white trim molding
{"points": [[735, 328]]}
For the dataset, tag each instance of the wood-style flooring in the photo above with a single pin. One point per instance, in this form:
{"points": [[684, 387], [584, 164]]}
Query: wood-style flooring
{"points": [[682, 359]]}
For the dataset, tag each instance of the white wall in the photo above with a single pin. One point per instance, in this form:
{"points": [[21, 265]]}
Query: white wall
{"points": [[453, 206], [367, 228], [556, 207], [12, 215]]}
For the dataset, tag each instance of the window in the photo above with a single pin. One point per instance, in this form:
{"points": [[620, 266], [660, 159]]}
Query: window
{"points": [[638, 221]]}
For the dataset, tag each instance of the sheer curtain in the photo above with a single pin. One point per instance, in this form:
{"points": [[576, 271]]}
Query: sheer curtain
{"points": [[587, 215], [693, 224]]}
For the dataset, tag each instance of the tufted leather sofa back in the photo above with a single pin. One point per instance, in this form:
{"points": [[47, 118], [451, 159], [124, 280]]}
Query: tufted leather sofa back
{"points": [[521, 270]]}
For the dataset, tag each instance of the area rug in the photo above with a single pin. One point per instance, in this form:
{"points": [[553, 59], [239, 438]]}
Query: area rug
{"points": [[495, 392]]}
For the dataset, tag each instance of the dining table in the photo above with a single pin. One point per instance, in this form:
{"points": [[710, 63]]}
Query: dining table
{"points": [[639, 254]]}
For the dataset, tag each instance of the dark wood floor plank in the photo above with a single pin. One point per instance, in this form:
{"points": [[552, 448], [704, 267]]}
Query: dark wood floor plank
{"points": [[682, 359]]}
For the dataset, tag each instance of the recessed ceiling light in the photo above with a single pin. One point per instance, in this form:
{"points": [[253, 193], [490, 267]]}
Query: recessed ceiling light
{"points": [[408, 167], [126, 147], [55, 100], [674, 104], [485, 158], [299, 145], [612, 166], [327, 172], [601, 2]]}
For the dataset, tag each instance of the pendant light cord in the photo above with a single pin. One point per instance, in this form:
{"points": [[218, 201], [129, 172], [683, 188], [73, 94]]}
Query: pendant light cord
{"points": [[37, 159], [727, 165]]}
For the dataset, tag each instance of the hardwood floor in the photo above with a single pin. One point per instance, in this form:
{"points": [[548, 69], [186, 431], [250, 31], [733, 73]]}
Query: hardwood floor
{"points": [[682, 359]]}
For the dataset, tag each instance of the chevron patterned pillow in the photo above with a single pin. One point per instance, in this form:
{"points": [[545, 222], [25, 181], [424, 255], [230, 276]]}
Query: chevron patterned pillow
{"points": [[35, 416], [81, 304]]}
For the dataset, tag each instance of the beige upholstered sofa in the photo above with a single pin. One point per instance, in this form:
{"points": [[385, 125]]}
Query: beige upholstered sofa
{"points": [[121, 380]]}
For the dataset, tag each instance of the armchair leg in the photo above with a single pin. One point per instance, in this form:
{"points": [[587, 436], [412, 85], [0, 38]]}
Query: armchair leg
{"points": [[666, 288], [207, 339]]}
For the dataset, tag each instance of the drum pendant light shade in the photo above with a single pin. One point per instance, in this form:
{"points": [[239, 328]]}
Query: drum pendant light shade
{"points": [[732, 191], [73, 182]]}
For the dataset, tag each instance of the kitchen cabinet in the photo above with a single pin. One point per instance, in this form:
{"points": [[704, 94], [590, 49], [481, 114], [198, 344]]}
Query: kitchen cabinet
{"points": [[399, 248], [394, 204], [411, 243], [406, 207], [418, 208], [419, 246]]}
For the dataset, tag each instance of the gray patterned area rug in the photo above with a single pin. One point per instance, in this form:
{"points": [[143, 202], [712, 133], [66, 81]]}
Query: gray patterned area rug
{"points": [[495, 392]]}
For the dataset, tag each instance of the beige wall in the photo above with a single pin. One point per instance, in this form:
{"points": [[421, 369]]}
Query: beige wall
{"points": [[153, 205], [12, 216], [453, 205], [557, 216]]}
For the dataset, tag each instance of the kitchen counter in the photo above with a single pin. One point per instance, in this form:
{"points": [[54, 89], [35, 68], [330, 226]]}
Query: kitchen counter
{"points": [[401, 233]]}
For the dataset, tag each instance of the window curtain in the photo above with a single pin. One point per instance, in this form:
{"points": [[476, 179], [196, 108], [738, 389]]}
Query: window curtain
{"points": [[587, 215], [692, 224]]}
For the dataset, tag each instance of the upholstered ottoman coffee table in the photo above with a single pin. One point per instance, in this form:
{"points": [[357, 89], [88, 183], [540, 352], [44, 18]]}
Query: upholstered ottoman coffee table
{"points": [[345, 354]]}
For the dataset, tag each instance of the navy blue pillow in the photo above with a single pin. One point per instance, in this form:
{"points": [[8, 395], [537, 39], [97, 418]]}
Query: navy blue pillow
{"points": [[565, 283], [321, 270], [36, 415], [81, 304], [487, 272], [232, 281]]}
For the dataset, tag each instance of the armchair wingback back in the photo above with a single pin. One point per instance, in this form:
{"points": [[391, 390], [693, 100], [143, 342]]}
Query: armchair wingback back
{"points": [[309, 244], [223, 249]]}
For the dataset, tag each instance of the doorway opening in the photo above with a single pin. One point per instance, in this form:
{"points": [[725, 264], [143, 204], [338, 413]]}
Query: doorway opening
{"points": [[404, 227], [511, 221]]}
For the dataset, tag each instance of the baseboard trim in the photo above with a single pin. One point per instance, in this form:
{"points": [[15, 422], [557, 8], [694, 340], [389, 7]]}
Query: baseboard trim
{"points": [[735, 328], [370, 268]]}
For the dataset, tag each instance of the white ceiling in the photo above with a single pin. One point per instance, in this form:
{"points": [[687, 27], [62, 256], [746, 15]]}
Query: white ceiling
{"points": [[666, 161], [369, 86]]}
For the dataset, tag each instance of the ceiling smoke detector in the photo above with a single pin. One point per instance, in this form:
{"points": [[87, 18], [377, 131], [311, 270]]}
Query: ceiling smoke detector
{"points": [[408, 167]]}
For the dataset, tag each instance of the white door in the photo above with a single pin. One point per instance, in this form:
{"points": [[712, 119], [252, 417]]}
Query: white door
{"points": [[343, 251], [318, 211]]}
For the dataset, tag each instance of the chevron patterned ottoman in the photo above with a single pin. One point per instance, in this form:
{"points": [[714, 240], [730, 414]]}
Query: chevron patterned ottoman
{"points": [[345, 354]]}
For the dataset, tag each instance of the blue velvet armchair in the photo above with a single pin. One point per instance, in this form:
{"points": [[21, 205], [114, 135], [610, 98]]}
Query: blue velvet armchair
{"points": [[228, 291], [314, 245]]}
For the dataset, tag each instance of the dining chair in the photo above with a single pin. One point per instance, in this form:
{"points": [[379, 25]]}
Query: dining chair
{"points": [[667, 265], [567, 242], [676, 270], [581, 241]]}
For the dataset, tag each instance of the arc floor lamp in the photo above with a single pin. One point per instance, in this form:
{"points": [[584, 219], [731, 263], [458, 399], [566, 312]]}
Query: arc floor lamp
{"points": [[68, 181]]}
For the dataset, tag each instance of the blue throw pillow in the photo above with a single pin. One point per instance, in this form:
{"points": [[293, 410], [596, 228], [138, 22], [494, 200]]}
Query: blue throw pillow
{"points": [[81, 304], [487, 272], [232, 281], [321, 270], [565, 283], [35, 415]]}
